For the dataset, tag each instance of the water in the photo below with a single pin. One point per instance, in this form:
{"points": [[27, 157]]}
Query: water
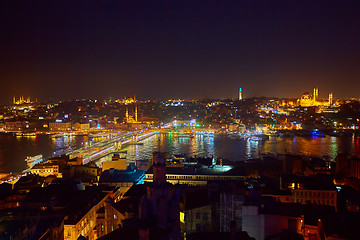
{"points": [[240, 149], [14, 149]]}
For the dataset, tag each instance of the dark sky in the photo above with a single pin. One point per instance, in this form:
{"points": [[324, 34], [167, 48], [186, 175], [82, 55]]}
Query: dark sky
{"points": [[178, 49]]}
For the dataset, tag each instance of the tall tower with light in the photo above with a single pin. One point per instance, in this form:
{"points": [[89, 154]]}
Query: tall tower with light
{"points": [[316, 95], [240, 94], [330, 99]]}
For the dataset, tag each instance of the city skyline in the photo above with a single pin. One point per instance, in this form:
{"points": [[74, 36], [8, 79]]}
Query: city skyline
{"points": [[173, 120], [27, 99], [179, 50]]}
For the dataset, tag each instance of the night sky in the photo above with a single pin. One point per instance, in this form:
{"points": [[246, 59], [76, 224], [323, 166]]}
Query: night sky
{"points": [[178, 49]]}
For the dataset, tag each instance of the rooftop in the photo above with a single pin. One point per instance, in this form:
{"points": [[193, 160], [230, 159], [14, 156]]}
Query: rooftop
{"points": [[216, 170], [113, 175]]}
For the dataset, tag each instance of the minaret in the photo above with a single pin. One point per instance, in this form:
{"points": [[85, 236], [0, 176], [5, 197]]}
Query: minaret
{"points": [[316, 95], [330, 99], [240, 94], [14, 100], [136, 113], [136, 118], [127, 115]]}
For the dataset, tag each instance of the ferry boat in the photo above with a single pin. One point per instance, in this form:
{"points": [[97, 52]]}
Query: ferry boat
{"points": [[25, 134], [257, 138], [32, 161]]}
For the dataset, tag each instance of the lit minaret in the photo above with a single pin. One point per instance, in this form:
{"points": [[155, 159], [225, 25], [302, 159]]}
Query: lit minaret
{"points": [[136, 113], [127, 115], [240, 94], [316, 94], [330, 99]]}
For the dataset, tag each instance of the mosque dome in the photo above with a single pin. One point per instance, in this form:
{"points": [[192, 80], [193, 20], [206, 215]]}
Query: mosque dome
{"points": [[306, 96]]}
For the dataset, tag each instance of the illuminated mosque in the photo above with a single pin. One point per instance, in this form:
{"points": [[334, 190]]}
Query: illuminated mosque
{"points": [[128, 118], [21, 100], [308, 100]]}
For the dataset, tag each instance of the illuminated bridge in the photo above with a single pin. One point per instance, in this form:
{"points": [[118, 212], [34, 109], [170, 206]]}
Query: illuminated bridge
{"points": [[101, 149]]}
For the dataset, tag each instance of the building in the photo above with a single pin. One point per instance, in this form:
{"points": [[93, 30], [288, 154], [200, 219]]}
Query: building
{"points": [[348, 166], [46, 169], [197, 176], [83, 219], [262, 221], [82, 127], [197, 213], [317, 190], [116, 163], [21, 100], [89, 173], [16, 126], [60, 126], [308, 100], [213, 208], [124, 179], [231, 207]]}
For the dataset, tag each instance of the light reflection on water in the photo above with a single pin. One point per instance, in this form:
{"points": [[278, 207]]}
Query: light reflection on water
{"points": [[13, 150], [240, 149]]}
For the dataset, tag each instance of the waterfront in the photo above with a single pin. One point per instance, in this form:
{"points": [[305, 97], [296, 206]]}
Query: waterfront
{"points": [[14, 149]]}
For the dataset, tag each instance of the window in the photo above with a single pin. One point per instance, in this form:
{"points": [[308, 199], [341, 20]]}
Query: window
{"points": [[205, 216], [197, 215], [197, 227]]}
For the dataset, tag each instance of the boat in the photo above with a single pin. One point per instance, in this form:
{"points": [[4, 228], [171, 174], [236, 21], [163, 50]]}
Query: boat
{"points": [[237, 136], [255, 138], [32, 161], [58, 135], [259, 137], [30, 134]]}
